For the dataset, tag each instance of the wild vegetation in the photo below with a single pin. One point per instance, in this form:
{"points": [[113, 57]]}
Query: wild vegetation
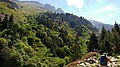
{"points": [[49, 39], [107, 41], [38, 42]]}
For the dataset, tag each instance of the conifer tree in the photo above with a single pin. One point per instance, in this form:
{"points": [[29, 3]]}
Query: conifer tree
{"points": [[103, 33], [93, 43], [5, 21], [6, 18], [103, 37], [117, 28], [11, 19], [0, 19]]}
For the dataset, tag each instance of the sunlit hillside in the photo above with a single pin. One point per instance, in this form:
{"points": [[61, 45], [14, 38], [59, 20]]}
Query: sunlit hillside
{"points": [[34, 36]]}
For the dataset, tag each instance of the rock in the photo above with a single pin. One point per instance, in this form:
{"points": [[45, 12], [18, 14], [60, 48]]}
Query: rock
{"points": [[82, 64], [49, 7], [118, 56]]}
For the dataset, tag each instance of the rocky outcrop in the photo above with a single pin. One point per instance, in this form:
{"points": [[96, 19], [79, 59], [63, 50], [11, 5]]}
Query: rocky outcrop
{"points": [[92, 60], [49, 7], [52, 8], [74, 63], [90, 54]]}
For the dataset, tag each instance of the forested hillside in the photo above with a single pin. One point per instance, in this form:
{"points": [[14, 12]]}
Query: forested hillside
{"points": [[81, 25], [41, 40], [108, 41], [44, 39]]}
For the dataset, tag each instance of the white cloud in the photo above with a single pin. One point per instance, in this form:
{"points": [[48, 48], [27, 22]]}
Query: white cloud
{"points": [[109, 8], [110, 15], [76, 3]]}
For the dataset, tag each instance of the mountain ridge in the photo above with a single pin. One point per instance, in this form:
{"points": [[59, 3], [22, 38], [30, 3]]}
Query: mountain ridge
{"points": [[99, 25]]}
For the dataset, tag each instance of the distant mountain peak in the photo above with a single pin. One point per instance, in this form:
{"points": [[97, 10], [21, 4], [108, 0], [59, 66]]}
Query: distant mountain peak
{"points": [[59, 10], [52, 8], [49, 7]]}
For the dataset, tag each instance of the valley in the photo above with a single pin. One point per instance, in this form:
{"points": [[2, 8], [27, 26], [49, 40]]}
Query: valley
{"points": [[33, 34]]}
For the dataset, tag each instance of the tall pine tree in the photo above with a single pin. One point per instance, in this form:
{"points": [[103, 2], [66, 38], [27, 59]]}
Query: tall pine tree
{"points": [[117, 28], [93, 43], [11, 20]]}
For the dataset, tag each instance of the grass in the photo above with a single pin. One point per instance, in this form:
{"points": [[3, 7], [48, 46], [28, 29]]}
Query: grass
{"points": [[27, 8], [6, 9]]}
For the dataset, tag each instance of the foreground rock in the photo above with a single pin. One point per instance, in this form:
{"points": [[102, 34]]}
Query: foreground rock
{"points": [[92, 60]]}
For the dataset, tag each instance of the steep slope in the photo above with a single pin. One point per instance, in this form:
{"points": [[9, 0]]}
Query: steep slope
{"points": [[35, 7], [12, 3], [6, 8], [99, 25], [39, 38], [30, 7], [79, 24], [38, 43]]}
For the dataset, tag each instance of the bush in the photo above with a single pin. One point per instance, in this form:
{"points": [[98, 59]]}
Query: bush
{"points": [[3, 43], [41, 34], [12, 58]]}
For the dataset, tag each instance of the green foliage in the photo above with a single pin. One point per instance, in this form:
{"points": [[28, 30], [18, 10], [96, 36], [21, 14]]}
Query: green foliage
{"points": [[108, 41], [78, 23], [41, 34], [79, 49], [67, 59], [30, 39], [30, 8], [93, 43], [7, 9], [11, 58], [3, 41]]}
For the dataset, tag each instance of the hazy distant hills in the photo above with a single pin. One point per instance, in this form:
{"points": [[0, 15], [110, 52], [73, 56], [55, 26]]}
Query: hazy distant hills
{"points": [[99, 25]]}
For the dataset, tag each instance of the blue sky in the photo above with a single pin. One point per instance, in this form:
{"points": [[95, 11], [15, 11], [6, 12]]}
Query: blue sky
{"points": [[106, 11]]}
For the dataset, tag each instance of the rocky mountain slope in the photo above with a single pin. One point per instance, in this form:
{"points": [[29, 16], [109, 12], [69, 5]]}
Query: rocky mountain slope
{"points": [[99, 25], [59, 10]]}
